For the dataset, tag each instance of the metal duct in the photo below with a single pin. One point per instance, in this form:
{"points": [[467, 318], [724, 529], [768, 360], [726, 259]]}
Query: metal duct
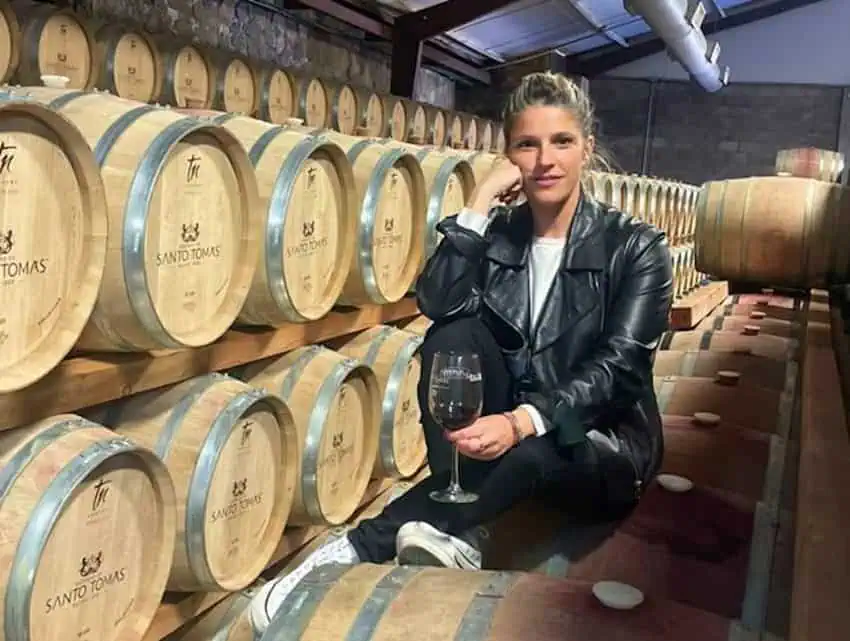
{"points": [[679, 28]]}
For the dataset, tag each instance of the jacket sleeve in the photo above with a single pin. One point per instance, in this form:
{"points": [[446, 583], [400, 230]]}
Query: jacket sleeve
{"points": [[449, 284], [619, 369]]}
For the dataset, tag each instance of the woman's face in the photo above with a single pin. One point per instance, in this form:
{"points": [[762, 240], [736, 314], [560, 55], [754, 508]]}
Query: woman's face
{"points": [[548, 146]]}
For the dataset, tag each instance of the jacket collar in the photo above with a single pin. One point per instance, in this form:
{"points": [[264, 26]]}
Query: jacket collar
{"points": [[585, 250]]}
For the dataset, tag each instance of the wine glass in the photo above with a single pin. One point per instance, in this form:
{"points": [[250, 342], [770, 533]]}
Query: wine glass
{"points": [[455, 398]]}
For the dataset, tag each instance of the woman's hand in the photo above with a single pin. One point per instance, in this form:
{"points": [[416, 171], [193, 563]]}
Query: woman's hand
{"points": [[490, 436], [503, 184]]}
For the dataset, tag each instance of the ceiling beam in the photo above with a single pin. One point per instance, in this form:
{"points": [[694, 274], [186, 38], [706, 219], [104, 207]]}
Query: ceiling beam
{"points": [[590, 20], [377, 27], [609, 58], [445, 16]]}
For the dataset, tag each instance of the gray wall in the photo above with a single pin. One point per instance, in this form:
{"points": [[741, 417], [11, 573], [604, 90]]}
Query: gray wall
{"points": [[697, 136], [260, 34]]}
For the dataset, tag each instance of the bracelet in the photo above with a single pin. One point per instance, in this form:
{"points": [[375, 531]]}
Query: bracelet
{"points": [[518, 435]]}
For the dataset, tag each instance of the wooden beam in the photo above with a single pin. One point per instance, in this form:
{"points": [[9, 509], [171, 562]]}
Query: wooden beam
{"points": [[609, 58], [446, 16], [406, 59], [376, 27]]}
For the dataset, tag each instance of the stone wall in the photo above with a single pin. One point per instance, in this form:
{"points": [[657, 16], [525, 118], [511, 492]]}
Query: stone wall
{"points": [[698, 136], [295, 40]]}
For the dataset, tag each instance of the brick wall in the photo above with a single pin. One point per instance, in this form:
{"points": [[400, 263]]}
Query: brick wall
{"points": [[699, 136], [293, 42]]}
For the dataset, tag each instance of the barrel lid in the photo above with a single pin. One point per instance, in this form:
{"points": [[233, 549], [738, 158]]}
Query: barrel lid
{"points": [[706, 419], [675, 483], [616, 595], [728, 377]]}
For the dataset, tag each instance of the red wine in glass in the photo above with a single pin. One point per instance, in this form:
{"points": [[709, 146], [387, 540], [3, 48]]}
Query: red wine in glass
{"points": [[455, 399]]}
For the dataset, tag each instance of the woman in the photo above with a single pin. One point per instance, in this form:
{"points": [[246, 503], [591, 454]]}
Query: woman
{"points": [[564, 300]]}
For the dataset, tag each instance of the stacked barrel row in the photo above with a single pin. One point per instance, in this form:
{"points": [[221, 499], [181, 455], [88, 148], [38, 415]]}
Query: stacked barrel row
{"points": [[190, 487], [667, 204], [784, 231], [703, 552], [139, 228], [810, 162], [43, 39]]}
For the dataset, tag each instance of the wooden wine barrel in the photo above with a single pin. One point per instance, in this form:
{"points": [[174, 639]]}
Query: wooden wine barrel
{"points": [[10, 43], [455, 138], [56, 42], [232, 451], [418, 325], [693, 548], [436, 126], [345, 109], [128, 63], [765, 372], [417, 123], [313, 102], [392, 200], [308, 196], [391, 353], [373, 115], [777, 230], [89, 522], [398, 117], [470, 131], [237, 87], [449, 180], [183, 213], [385, 602], [758, 311], [810, 162], [229, 620], [500, 142], [767, 299], [337, 408], [482, 164], [188, 76], [752, 323], [744, 404], [774, 347], [637, 201], [277, 96], [726, 458], [53, 239], [485, 135]]}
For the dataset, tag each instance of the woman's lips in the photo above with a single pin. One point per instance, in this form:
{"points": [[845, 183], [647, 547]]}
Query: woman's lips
{"points": [[547, 181]]}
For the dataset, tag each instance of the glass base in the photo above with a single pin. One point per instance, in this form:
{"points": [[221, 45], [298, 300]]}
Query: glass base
{"points": [[453, 494]]}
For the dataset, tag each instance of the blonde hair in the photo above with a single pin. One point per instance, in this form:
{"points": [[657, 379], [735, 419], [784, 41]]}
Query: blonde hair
{"points": [[556, 90]]}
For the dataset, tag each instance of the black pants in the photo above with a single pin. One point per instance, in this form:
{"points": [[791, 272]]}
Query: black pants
{"points": [[535, 467]]}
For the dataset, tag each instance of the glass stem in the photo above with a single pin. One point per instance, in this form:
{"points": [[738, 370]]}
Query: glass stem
{"points": [[454, 486]]}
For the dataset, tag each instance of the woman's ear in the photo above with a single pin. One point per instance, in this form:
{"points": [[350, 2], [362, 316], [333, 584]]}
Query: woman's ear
{"points": [[589, 149]]}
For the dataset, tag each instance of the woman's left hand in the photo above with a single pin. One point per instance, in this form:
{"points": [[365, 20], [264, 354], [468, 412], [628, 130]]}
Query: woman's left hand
{"points": [[487, 438]]}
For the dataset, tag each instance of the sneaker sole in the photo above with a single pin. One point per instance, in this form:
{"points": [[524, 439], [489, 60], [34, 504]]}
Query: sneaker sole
{"points": [[419, 556]]}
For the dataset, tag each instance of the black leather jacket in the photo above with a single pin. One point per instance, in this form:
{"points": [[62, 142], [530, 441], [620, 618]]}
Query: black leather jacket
{"points": [[589, 363]]}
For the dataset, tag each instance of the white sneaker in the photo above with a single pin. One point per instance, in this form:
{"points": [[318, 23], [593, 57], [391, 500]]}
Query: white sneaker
{"points": [[418, 543], [270, 597]]}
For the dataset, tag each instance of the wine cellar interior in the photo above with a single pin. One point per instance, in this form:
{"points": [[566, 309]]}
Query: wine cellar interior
{"points": [[209, 362]]}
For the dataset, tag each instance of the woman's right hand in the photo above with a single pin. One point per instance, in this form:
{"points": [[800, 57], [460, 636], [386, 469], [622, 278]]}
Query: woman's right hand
{"points": [[502, 184]]}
